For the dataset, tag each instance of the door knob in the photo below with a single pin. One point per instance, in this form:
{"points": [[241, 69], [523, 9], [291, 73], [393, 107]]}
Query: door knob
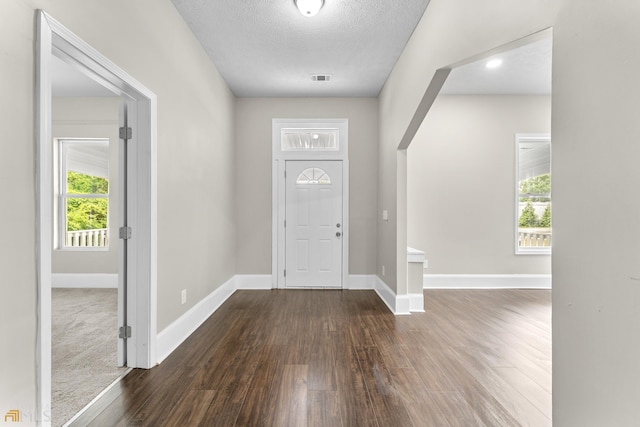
{"points": [[338, 234], [338, 225]]}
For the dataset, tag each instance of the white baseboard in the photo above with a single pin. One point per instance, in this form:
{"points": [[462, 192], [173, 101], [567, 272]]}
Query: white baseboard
{"points": [[175, 334], [487, 281], [82, 280], [416, 303], [253, 281], [398, 304], [403, 304], [264, 281], [361, 282]]}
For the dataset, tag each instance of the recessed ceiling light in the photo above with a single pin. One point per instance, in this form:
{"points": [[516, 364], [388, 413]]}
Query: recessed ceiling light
{"points": [[494, 63]]}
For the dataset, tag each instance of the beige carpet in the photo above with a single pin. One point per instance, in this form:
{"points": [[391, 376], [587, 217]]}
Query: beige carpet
{"points": [[84, 348]]}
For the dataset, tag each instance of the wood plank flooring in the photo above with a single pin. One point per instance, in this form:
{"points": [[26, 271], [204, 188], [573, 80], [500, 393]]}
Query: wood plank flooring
{"points": [[340, 358]]}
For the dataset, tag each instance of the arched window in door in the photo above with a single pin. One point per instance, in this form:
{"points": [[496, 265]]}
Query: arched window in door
{"points": [[313, 176]]}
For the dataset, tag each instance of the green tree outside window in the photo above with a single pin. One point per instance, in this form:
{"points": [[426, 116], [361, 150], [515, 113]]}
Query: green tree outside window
{"points": [[85, 213]]}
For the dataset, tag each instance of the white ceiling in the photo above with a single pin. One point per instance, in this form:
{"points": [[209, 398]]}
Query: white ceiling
{"points": [[524, 71], [267, 48]]}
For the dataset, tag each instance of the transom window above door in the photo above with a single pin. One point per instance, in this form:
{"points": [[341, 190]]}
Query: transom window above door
{"points": [[309, 139]]}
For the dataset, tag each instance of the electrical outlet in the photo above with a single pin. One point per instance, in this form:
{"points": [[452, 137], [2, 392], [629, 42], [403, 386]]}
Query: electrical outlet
{"points": [[183, 296], [383, 270]]}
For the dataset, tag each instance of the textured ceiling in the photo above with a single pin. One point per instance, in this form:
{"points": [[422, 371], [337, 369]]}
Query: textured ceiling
{"points": [[270, 49], [267, 48]]}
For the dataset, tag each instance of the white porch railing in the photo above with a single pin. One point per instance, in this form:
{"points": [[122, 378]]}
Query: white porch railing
{"points": [[97, 238], [534, 238]]}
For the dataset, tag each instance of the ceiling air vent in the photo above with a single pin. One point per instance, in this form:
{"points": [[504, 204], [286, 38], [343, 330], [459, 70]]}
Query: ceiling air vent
{"points": [[321, 77]]}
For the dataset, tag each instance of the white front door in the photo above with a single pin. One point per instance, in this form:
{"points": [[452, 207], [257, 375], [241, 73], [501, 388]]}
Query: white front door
{"points": [[313, 218]]}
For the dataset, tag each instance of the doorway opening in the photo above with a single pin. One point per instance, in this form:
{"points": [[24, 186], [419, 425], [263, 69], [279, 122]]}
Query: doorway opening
{"points": [[310, 182], [137, 208], [466, 189], [87, 301]]}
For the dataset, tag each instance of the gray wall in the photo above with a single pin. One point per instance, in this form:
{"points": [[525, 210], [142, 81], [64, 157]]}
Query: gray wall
{"points": [[594, 126], [196, 225], [17, 177], [90, 118], [461, 183], [253, 174]]}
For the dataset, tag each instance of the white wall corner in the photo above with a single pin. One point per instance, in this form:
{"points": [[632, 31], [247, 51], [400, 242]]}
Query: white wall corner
{"points": [[397, 304], [487, 281], [361, 282], [178, 331], [84, 280], [253, 281], [416, 303], [403, 305]]}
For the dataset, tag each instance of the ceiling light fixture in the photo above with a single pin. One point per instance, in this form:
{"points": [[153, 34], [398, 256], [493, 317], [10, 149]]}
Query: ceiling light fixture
{"points": [[309, 7], [494, 63]]}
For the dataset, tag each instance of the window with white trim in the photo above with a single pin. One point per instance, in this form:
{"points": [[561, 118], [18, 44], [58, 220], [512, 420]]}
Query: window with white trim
{"points": [[533, 194], [83, 194]]}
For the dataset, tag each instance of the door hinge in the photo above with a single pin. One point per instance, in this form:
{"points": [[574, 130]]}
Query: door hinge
{"points": [[285, 174], [126, 133], [285, 223], [125, 233], [124, 332], [285, 273]]}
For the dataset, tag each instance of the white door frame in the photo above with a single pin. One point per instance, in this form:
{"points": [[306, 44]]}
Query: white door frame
{"points": [[55, 39], [279, 158]]}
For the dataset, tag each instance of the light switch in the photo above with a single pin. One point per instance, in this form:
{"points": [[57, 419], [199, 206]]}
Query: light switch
{"points": [[385, 215]]}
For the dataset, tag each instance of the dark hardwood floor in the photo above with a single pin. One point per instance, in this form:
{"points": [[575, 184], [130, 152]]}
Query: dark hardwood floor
{"points": [[340, 358]]}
